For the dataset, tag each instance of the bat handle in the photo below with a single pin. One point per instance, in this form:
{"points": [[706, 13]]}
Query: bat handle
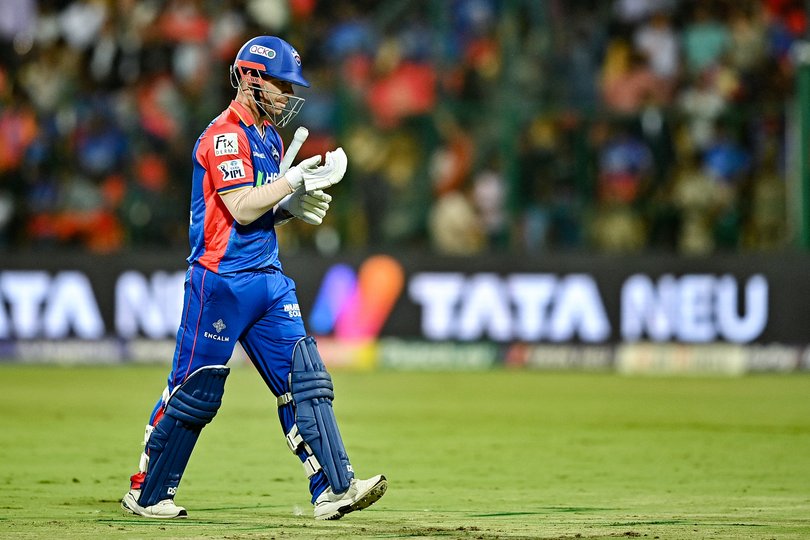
{"points": [[300, 136]]}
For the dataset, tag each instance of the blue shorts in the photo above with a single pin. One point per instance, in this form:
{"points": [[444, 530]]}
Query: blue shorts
{"points": [[257, 308]]}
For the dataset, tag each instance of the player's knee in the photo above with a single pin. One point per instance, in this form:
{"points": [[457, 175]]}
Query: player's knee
{"points": [[197, 401]]}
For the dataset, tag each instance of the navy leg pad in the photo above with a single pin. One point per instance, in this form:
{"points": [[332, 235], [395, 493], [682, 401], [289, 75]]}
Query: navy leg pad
{"points": [[191, 406], [312, 393]]}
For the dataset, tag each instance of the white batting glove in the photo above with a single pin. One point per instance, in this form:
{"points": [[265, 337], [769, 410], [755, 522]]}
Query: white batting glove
{"points": [[295, 175], [308, 207], [328, 174]]}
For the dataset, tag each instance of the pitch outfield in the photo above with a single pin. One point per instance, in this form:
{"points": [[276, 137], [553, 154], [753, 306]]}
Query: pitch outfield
{"points": [[468, 455]]}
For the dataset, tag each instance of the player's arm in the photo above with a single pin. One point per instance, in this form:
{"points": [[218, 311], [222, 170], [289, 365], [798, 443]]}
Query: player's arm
{"points": [[248, 203]]}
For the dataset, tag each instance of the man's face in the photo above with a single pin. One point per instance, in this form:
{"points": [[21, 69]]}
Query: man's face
{"points": [[273, 92], [270, 98]]}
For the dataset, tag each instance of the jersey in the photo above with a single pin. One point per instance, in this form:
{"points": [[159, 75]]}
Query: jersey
{"points": [[231, 154]]}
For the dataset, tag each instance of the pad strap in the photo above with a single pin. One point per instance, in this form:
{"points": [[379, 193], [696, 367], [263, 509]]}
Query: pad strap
{"points": [[296, 443], [311, 466]]}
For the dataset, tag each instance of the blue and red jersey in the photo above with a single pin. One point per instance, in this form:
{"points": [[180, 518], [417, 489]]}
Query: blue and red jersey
{"points": [[230, 154]]}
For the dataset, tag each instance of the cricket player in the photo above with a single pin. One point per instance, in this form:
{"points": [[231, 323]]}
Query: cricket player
{"points": [[235, 290]]}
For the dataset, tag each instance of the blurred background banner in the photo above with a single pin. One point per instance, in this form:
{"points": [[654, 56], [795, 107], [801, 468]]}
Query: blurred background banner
{"points": [[553, 182], [422, 311]]}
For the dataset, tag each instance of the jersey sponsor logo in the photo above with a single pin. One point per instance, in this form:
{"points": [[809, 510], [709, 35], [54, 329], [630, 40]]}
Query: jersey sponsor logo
{"points": [[275, 154], [216, 337], [232, 169], [226, 143], [257, 154], [267, 52], [265, 178], [293, 311], [219, 326]]}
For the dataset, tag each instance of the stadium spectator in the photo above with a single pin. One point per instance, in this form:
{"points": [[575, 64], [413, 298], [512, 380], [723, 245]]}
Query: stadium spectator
{"points": [[766, 228], [455, 227], [705, 39], [657, 40], [489, 200], [628, 82]]}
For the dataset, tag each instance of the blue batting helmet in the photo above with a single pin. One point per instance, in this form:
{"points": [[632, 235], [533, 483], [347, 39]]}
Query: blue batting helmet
{"points": [[273, 56], [267, 57]]}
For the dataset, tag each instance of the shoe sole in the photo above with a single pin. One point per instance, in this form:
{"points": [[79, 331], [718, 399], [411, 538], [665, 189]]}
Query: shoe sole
{"points": [[373, 495]]}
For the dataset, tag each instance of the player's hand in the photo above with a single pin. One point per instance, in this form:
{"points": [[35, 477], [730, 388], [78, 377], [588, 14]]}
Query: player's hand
{"points": [[310, 207], [328, 174], [295, 175]]}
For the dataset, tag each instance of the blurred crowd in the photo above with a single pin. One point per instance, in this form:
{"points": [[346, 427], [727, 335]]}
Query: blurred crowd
{"points": [[472, 126]]}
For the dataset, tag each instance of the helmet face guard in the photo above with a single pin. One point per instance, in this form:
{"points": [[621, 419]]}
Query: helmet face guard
{"points": [[258, 61], [248, 79]]}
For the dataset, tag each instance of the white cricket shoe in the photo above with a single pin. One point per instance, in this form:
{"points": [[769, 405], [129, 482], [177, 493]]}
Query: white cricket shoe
{"points": [[361, 494], [165, 509]]}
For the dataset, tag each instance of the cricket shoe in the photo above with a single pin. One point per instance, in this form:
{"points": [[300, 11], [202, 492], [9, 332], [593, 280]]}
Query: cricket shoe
{"points": [[361, 494], [165, 509]]}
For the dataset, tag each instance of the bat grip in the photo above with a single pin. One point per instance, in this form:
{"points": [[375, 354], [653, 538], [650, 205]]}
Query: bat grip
{"points": [[300, 136]]}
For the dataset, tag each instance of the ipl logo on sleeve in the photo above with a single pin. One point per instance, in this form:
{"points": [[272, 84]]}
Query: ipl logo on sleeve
{"points": [[356, 306], [232, 169]]}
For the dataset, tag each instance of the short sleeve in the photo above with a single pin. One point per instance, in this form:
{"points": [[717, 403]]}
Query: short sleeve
{"points": [[226, 151]]}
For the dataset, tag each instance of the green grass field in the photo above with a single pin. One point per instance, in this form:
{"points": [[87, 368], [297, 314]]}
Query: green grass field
{"points": [[505, 454]]}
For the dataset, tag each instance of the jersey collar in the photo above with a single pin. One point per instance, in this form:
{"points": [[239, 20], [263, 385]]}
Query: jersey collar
{"points": [[244, 114]]}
